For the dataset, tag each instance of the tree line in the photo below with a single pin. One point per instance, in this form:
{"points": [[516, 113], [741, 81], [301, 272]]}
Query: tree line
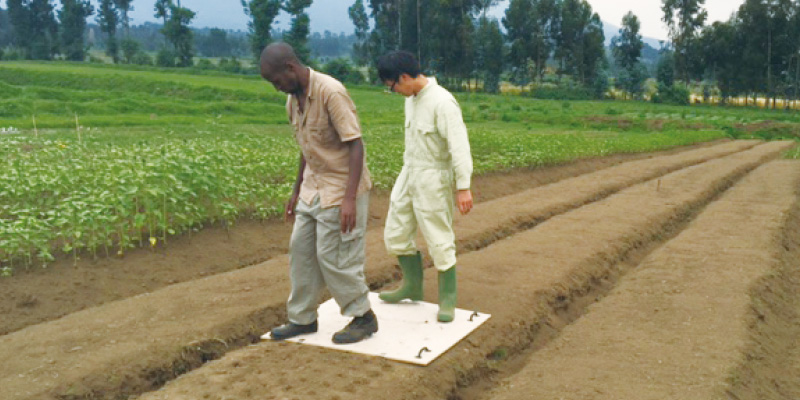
{"points": [[39, 35], [757, 51], [541, 43]]}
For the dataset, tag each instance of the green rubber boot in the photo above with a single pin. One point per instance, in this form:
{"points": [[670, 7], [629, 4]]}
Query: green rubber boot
{"points": [[412, 280], [447, 295]]}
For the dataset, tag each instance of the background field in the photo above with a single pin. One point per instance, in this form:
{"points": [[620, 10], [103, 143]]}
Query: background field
{"points": [[100, 159]]}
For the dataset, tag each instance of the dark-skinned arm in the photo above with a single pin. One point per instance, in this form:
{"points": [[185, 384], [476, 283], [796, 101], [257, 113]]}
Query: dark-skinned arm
{"points": [[356, 162], [289, 212]]}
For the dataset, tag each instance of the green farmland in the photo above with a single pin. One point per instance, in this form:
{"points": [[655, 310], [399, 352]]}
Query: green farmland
{"points": [[95, 160]]}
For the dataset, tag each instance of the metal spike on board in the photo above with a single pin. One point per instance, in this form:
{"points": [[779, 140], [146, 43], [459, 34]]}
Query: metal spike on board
{"points": [[422, 350]]}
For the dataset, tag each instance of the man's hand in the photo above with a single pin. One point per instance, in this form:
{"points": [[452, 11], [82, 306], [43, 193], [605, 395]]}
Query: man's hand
{"points": [[288, 214], [347, 216], [464, 201]]}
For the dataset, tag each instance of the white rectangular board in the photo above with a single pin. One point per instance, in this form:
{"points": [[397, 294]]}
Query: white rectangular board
{"points": [[404, 329]]}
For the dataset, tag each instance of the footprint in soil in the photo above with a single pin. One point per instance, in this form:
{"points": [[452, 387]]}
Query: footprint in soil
{"points": [[28, 301]]}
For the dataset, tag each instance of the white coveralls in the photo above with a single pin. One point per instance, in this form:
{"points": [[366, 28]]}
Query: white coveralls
{"points": [[437, 156]]}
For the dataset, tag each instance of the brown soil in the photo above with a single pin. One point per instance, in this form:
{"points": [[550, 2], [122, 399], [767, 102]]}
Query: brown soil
{"points": [[39, 295], [590, 218], [520, 281], [678, 326]]}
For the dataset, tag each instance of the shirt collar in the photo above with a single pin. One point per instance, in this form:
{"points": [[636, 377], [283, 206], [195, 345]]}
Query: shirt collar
{"points": [[311, 82], [431, 82]]}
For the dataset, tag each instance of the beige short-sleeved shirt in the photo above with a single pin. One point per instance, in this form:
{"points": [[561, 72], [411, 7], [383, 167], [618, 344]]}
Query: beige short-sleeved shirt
{"points": [[327, 122]]}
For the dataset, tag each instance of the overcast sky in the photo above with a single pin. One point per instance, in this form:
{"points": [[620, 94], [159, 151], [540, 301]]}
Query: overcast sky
{"points": [[331, 15]]}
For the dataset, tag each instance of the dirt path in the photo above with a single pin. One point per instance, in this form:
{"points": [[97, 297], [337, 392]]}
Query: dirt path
{"points": [[677, 326], [165, 333], [38, 295], [521, 281]]}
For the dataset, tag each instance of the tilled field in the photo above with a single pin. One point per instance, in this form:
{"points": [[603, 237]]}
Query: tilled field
{"points": [[667, 277]]}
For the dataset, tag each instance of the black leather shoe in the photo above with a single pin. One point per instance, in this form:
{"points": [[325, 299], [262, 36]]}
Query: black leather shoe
{"points": [[358, 329], [291, 330]]}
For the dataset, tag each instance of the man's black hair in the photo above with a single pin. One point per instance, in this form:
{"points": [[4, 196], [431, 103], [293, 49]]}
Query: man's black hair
{"points": [[396, 63]]}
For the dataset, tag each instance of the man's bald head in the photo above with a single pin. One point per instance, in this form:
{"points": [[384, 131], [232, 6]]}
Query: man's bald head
{"points": [[276, 56], [281, 67]]}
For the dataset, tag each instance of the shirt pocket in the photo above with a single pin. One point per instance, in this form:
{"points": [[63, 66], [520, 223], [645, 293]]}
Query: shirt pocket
{"points": [[324, 135], [424, 127], [430, 141]]}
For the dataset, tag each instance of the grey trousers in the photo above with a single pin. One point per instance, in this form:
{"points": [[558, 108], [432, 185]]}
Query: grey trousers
{"points": [[321, 255]]}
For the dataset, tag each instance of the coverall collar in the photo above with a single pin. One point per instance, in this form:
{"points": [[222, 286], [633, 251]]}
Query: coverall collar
{"points": [[431, 82]]}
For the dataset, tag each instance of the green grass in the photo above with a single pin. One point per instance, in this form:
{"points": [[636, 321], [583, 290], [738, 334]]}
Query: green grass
{"points": [[159, 153]]}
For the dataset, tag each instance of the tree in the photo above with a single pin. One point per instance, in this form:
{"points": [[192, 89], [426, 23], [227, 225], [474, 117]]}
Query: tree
{"points": [[341, 69], [161, 8], [768, 44], [297, 36], [632, 79], [684, 18], [108, 19], [489, 53], [20, 18], [721, 54], [73, 16], [215, 44], [450, 46], [627, 46], [124, 7], [360, 20], [35, 27], [5, 29], [386, 36], [579, 38], [594, 52], [530, 27], [485, 5], [130, 50], [627, 50], [177, 32], [262, 13], [45, 40], [665, 69]]}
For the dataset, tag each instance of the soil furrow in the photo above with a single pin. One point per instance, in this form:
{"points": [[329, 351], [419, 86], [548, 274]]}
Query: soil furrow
{"points": [[139, 343], [677, 325], [522, 281], [771, 364], [38, 295]]}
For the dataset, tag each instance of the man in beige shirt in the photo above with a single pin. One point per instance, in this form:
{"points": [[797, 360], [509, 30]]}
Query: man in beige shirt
{"points": [[329, 201]]}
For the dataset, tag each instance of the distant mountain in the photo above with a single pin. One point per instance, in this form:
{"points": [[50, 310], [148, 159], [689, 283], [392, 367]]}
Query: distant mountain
{"points": [[610, 30]]}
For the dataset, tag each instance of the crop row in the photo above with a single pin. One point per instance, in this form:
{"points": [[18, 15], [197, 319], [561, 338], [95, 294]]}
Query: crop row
{"points": [[102, 193]]}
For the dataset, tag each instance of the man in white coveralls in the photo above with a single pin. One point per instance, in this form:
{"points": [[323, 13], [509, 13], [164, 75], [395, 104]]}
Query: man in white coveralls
{"points": [[330, 198], [436, 160]]}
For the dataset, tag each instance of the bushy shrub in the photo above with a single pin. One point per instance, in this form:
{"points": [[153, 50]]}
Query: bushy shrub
{"points": [[142, 58], [130, 49], [96, 60], [230, 65], [165, 58], [11, 54], [676, 94], [341, 69], [205, 64]]}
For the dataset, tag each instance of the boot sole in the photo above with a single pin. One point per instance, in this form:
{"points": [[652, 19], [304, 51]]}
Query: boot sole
{"points": [[354, 341], [412, 298]]}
